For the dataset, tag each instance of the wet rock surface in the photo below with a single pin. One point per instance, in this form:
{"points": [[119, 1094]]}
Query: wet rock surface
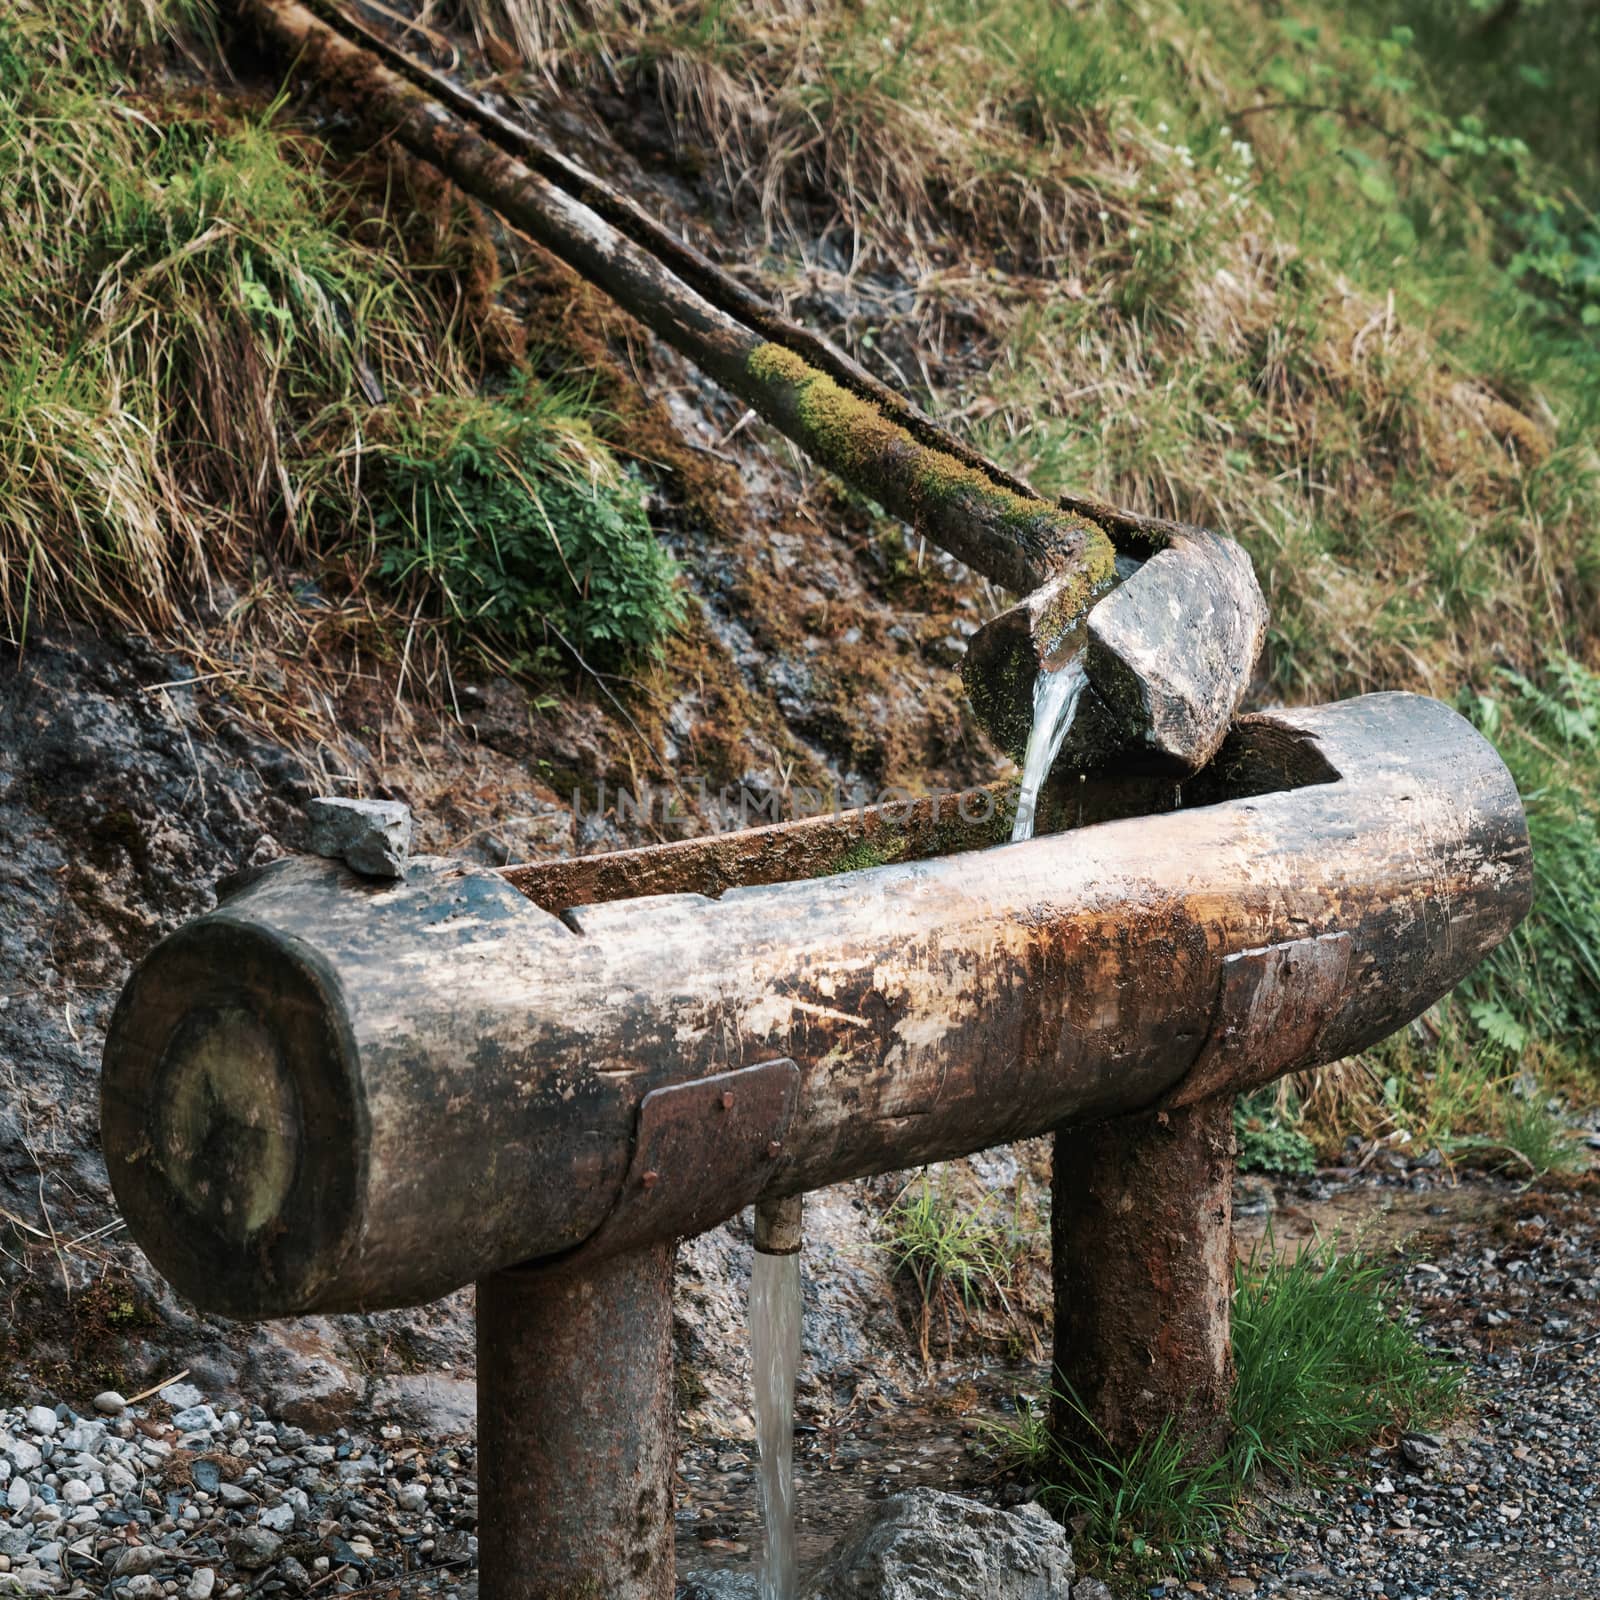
{"points": [[925, 1545]]}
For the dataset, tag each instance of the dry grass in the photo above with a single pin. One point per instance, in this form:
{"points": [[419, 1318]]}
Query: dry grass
{"points": [[867, 136], [1106, 293], [186, 319]]}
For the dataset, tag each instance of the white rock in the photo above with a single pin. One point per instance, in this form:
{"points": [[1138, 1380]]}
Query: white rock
{"points": [[110, 1403], [412, 1497], [42, 1420], [180, 1396], [24, 1456], [34, 1580], [19, 1494], [201, 1584], [75, 1492], [279, 1518], [143, 1586]]}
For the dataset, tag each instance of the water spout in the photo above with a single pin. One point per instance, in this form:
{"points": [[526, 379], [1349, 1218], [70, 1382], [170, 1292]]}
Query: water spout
{"points": [[775, 1357], [1055, 703]]}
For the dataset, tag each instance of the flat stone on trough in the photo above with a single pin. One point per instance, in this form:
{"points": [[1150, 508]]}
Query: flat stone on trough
{"points": [[372, 837]]}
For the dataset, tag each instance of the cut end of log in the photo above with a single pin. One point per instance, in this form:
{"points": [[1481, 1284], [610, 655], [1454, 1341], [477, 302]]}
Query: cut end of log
{"points": [[223, 1070]]}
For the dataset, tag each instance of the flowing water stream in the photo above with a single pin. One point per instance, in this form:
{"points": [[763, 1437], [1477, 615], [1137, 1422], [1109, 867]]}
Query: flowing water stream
{"points": [[775, 1279], [775, 1355], [1055, 703]]}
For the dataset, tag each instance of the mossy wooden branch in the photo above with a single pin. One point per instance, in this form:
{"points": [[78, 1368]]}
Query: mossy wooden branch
{"points": [[1015, 539], [1130, 530]]}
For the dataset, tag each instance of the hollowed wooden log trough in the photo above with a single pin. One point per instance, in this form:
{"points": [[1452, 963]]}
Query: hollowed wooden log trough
{"points": [[329, 1094]]}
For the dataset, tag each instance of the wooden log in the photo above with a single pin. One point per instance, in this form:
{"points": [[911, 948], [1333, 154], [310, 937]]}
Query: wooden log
{"points": [[1141, 1232], [328, 1094], [1015, 539], [1130, 530], [577, 1431]]}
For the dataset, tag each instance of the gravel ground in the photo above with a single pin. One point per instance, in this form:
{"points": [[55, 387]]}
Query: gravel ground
{"points": [[174, 1499], [1504, 1505]]}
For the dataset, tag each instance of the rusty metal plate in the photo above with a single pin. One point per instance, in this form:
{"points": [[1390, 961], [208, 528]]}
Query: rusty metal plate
{"points": [[1272, 1007], [702, 1152]]}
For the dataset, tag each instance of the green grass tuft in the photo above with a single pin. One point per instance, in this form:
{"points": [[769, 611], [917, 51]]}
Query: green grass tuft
{"points": [[1325, 1363], [516, 523], [956, 1256]]}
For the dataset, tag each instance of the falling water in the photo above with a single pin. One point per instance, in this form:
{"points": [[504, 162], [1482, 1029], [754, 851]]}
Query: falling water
{"points": [[1055, 702], [775, 1354]]}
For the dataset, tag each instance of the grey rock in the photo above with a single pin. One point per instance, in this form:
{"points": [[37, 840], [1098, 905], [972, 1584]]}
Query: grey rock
{"points": [[1091, 1589], [254, 1548], [84, 1437], [110, 1403], [42, 1420], [138, 1559], [24, 1455], [181, 1396], [1420, 1450], [372, 837], [32, 1580], [430, 1401], [195, 1419], [927, 1545], [412, 1497], [294, 1574], [143, 1586], [720, 1586], [278, 1518]]}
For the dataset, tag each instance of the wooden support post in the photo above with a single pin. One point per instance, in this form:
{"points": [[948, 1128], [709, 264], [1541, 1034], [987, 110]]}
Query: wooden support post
{"points": [[576, 1430], [1142, 1233]]}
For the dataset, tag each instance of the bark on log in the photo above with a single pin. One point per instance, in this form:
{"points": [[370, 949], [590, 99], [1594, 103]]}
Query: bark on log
{"points": [[1141, 1233], [577, 1431], [329, 1095]]}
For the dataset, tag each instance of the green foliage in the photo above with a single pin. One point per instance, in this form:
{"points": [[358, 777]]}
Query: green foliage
{"points": [[1152, 1511], [523, 529], [1269, 1138], [940, 1243], [177, 312], [952, 1253], [1325, 1362], [1543, 985]]}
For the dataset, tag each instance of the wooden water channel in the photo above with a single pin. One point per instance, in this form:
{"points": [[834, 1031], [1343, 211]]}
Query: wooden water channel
{"points": [[330, 1094]]}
